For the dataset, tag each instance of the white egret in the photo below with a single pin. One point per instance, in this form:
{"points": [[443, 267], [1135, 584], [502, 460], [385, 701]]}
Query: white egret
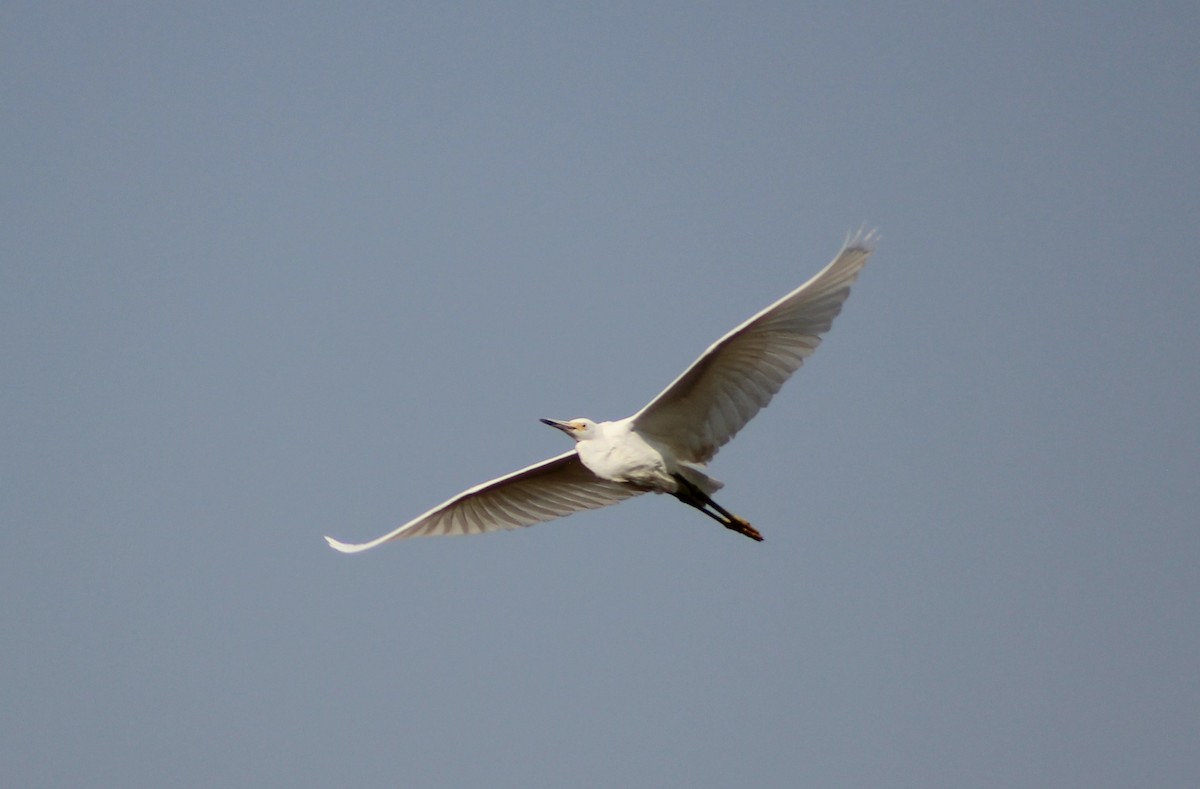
{"points": [[663, 447]]}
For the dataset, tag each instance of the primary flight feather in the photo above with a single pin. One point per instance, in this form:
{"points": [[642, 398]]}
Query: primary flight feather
{"points": [[663, 447]]}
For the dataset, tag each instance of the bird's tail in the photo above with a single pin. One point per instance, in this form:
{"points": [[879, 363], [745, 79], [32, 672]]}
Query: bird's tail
{"points": [[694, 474]]}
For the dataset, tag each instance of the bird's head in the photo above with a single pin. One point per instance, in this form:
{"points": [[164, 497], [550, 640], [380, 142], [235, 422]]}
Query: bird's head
{"points": [[578, 429]]}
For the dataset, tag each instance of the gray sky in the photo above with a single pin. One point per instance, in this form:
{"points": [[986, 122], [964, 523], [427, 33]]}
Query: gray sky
{"points": [[274, 274]]}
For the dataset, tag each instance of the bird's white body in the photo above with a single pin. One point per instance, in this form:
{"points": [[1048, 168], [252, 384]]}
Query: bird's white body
{"points": [[663, 447], [617, 451]]}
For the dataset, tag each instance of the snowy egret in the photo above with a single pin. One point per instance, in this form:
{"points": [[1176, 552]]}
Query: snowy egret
{"points": [[663, 447]]}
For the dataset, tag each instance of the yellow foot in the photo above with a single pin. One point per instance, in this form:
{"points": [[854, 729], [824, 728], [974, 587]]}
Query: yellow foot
{"points": [[743, 527]]}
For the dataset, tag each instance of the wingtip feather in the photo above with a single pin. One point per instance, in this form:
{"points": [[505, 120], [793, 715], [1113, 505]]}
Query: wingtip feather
{"points": [[862, 238], [345, 547]]}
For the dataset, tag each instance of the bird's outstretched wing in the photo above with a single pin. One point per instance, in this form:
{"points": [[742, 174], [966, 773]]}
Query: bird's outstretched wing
{"points": [[544, 491], [740, 373]]}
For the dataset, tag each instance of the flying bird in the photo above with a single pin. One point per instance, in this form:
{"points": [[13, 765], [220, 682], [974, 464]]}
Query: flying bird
{"points": [[664, 447]]}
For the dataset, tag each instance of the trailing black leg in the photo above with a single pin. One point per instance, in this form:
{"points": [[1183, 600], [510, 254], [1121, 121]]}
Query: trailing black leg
{"points": [[691, 495]]}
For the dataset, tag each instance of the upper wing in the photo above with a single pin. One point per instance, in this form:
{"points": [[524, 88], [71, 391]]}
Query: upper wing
{"points": [[544, 491], [740, 373]]}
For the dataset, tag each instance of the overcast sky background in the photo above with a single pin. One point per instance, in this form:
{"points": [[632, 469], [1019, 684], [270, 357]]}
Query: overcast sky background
{"points": [[277, 273]]}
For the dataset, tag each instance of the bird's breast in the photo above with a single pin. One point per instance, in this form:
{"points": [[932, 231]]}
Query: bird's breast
{"points": [[626, 458]]}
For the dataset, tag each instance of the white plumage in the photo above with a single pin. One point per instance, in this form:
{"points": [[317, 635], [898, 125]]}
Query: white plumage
{"points": [[663, 447]]}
